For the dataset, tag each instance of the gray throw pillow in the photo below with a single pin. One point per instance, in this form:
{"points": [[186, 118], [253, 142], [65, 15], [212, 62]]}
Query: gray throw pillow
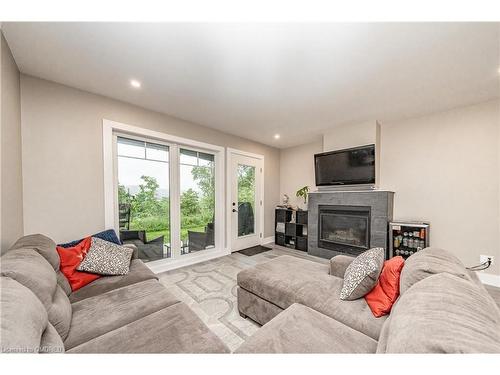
{"points": [[362, 274], [106, 258]]}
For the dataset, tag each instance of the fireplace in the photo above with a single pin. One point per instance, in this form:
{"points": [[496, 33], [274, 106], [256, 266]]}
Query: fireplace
{"points": [[344, 228], [347, 222]]}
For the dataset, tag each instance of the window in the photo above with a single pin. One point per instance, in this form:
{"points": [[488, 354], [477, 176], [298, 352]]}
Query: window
{"points": [[197, 201], [163, 194], [144, 197], [246, 200]]}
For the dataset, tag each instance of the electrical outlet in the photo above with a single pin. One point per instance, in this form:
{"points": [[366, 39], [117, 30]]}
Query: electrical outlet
{"points": [[484, 258]]}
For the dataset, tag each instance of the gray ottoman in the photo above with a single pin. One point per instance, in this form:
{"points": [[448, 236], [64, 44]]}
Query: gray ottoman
{"points": [[267, 289]]}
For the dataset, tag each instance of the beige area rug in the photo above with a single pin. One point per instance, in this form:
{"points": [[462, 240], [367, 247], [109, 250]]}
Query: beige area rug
{"points": [[209, 289]]}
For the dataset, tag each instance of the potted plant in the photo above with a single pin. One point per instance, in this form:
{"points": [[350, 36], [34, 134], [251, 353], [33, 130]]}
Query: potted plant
{"points": [[302, 193]]}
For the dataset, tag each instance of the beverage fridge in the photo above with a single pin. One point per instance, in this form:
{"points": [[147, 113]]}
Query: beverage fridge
{"points": [[407, 238]]}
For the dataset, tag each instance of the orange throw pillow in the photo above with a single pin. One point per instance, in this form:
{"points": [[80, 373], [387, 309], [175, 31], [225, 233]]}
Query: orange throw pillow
{"points": [[386, 291], [71, 257]]}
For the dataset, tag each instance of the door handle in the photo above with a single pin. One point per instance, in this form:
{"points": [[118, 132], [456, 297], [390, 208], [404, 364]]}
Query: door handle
{"points": [[234, 210]]}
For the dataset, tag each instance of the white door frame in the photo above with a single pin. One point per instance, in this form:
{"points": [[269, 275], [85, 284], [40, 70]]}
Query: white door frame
{"points": [[229, 159]]}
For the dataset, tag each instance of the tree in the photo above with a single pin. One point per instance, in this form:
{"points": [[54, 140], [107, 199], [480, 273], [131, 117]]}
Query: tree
{"points": [[206, 181], [246, 184], [148, 212], [190, 209], [123, 195], [189, 202], [145, 202]]}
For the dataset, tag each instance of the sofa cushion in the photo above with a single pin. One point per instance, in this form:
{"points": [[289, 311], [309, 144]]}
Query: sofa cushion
{"points": [[106, 258], [174, 329], [339, 264], [362, 274], [138, 272], [51, 341], [71, 258], [286, 280], [24, 321], [60, 312], [95, 316], [443, 314], [30, 269], [63, 282], [256, 308], [43, 245], [428, 262], [106, 235], [46, 247], [382, 297], [300, 329], [282, 273]]}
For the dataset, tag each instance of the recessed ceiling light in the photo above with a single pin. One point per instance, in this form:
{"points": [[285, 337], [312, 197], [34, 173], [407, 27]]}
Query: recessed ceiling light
{"points": [[135, 83], [277, 136]]}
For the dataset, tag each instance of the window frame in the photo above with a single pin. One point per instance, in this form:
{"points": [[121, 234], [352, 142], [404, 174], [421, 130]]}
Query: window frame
{"points": [[113, 129]]}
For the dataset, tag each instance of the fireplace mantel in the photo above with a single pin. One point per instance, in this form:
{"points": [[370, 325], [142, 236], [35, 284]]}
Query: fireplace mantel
{"points": [[380, 203]]}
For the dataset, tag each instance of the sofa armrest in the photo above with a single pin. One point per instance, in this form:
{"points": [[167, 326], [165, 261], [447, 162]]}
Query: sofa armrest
{"points": [[338, 265], [135, 254]]}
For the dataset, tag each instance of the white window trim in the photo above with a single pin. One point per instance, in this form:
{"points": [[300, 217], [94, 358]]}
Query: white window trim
{"points": [[109, 128], [229, 152]]}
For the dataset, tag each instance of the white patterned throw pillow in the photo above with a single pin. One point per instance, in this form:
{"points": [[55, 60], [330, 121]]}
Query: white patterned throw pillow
{"points": [[362, 274], [106, 258]]}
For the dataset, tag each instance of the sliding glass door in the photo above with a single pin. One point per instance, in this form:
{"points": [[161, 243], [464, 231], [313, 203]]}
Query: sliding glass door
{"points": [[197, 200], [166, 197], [144, 197]]}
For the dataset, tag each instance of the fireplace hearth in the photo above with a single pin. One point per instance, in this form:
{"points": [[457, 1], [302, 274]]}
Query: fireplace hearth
{"points": [[348, 222]]}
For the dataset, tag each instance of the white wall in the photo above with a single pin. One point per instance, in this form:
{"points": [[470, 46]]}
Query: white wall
{"points": [[63, 161], [11, 201], [443, 167], [351, 135], [297, 170]]}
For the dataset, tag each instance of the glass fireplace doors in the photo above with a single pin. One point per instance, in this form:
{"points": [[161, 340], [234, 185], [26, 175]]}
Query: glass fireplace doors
{"points": [[344, 227]]}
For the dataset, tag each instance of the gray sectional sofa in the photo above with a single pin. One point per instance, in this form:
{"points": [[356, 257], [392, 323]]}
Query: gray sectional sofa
{"points": [[133, 313], [443, 308]]}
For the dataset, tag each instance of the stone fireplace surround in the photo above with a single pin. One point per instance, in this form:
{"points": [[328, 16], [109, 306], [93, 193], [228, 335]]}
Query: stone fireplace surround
{"points": [[381, 206]]}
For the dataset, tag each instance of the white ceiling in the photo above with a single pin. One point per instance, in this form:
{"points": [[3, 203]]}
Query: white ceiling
{"points": [[255, 80]]}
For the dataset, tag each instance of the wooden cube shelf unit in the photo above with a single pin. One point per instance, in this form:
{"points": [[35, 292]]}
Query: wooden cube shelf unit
{"points": [[291, 228]]}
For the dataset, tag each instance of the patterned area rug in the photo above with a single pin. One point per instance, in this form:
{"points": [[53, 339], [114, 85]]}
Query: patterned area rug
{"points": [[209, 289]]}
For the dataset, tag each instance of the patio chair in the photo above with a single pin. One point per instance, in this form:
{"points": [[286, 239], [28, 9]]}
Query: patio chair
{"points": [[124, 216], [147, 250], [245, 219], [201, 240]]}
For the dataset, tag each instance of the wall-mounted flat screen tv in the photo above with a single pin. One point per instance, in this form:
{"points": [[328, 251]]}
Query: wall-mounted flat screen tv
{"points": [[351, 166]]}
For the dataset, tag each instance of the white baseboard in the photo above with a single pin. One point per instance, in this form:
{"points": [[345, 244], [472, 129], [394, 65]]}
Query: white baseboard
{"points": [[185, 260], [489, 279], [267, 240]]}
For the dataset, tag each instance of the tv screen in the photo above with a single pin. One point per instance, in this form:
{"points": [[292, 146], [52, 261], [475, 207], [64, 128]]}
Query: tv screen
{"points": [[346, 167]]}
